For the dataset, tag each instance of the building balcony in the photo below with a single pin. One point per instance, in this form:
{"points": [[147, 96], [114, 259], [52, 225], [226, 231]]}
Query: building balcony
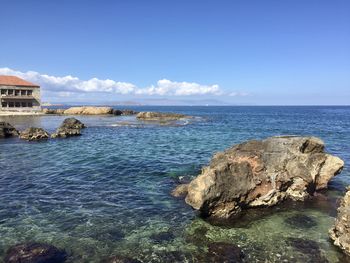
{"points": [[21, 97]]}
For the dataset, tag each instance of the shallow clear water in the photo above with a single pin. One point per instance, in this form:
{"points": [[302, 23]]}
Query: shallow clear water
{"points": [[107, 191]]}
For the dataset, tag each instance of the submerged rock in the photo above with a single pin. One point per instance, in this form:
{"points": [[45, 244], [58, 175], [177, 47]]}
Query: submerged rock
{"points": [[162, 237], [120, 259], [34, 134], [301, 221], [224, 253], [262, 173], [308, 248], [159, 116], [35, 253], [69, 127], [7, 130], [340, 232]]}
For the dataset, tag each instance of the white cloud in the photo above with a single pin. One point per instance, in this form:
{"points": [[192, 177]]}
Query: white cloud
{"points": [[68, 85], [167, 87]]}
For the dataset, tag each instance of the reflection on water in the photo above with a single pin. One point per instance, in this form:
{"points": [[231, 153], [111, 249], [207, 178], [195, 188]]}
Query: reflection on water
{"points": [[107, 191]]}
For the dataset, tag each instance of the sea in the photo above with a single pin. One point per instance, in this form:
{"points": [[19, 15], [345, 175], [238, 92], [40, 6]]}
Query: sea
{"points": [[107, 192]]}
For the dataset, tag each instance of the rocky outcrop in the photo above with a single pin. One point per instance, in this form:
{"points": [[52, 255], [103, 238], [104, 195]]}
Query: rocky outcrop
{"points": [[7, 130], [69, 127], [34, 134], [340, 232], [159, 116], [262, 173], [88, 111], [35, 253]]}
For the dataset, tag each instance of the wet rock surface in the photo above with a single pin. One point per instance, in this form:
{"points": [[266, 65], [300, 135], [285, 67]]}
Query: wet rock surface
{"points": [[7, 130], [35, 253], [262, 173], [340, 232], [69, 127], [180, 190], [34, 134]]}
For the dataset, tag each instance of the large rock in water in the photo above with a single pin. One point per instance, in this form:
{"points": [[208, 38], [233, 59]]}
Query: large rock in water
{"points": [[7, 130], [69, 127], [89, 111], [35, 253], [340, 233], [262, 173], [34, 134]]}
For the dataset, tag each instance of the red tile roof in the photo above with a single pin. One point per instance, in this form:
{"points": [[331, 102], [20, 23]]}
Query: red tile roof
{"points": [[15, 81]]}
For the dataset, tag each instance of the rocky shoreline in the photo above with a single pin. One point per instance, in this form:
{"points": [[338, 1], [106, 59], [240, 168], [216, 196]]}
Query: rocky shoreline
{"points": [[69, 127], [89, 110]]}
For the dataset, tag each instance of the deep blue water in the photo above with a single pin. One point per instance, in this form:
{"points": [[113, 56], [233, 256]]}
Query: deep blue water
{"points": [[107, 191]]}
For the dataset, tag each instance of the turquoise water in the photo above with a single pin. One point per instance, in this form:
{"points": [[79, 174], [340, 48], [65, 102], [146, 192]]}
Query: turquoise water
{"points": [[107, 191]]}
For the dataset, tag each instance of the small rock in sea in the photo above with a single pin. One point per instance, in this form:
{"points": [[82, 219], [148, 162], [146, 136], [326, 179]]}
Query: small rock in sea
{"points": [[120, 259], [162, 237], [180, 190], [69, 127], [7, 130], [53, 111], [301, 221], [34, 134], [340, 232], [224, 253], [35, 253], [159, 116], [309, 248], [124, 112]]}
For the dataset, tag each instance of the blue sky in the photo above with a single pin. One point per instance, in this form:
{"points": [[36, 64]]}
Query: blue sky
{"points": [[231, 52]]}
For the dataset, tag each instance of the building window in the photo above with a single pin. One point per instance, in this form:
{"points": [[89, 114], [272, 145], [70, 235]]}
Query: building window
{"points": [[4, 104], [11, 104], [29, 92], [30, 104], [3, 92], [10, 92], [24, 104], [17, 92], [23, 92], [17, 104]]}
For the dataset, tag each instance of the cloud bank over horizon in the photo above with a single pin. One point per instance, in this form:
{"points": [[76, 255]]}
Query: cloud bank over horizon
{"points": [[68, 86]]}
